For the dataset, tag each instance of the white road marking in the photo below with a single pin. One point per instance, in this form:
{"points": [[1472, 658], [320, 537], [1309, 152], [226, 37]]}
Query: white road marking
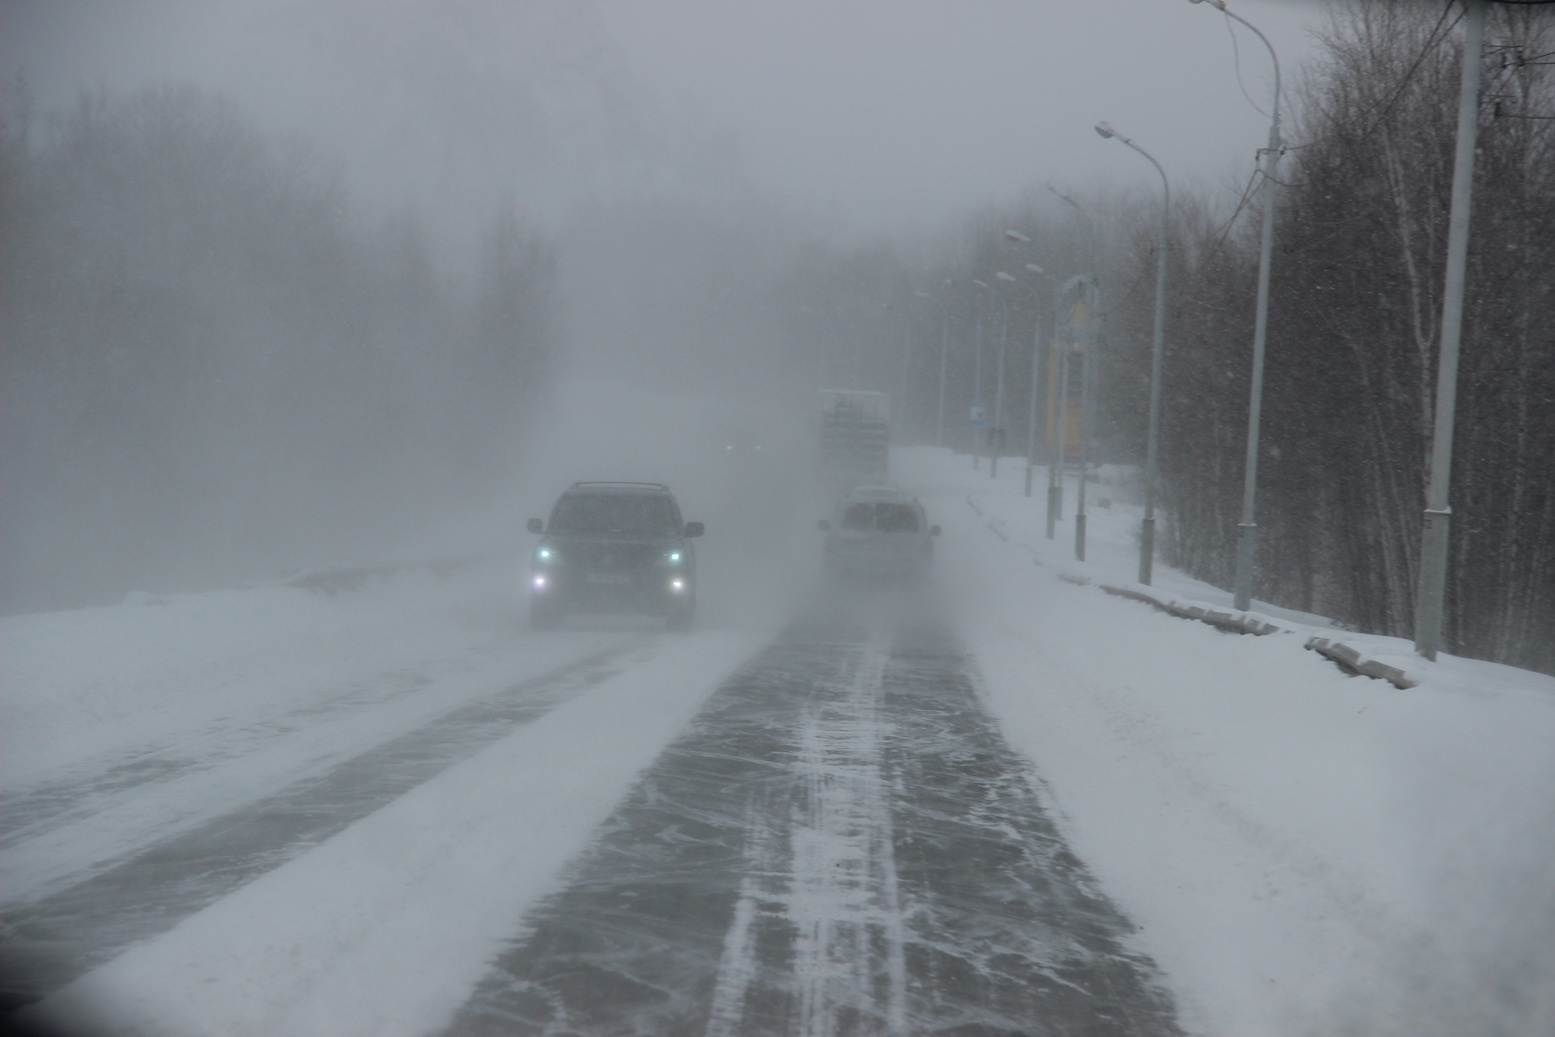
{"points": [[843, 896], [737, 964]]}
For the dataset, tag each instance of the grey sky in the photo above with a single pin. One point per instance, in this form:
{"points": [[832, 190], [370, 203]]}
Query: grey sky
{"points": [[878, 116], [904, 110]]}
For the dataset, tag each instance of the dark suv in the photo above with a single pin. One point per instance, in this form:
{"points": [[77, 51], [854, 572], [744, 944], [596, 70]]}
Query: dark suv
{"points": [[614, 547]]}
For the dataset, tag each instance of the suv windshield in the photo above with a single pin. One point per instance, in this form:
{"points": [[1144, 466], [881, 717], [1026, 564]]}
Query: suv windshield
{"points": [[616, 513], [896, 518]]}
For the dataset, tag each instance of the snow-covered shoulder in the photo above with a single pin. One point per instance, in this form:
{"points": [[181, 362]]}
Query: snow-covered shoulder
{"points": [[1305, 851]]}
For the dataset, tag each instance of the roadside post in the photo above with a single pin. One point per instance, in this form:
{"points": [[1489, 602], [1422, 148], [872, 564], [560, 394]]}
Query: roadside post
{"points": [[1438, 514], [1080, 316]]}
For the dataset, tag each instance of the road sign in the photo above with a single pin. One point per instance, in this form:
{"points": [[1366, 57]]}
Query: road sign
{"points": [[978, 418]]}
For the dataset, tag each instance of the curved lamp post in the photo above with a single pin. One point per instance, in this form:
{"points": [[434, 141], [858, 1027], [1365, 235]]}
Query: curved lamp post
{"points": [[1036, 365], [1147, 527], [1247, 529], [944, 355], [1055, 461], [996, 437], [977, 373]]}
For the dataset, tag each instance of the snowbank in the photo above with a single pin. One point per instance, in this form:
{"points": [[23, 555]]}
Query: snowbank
{"points": [[1305, 851], [386, 928], [83, 685]]}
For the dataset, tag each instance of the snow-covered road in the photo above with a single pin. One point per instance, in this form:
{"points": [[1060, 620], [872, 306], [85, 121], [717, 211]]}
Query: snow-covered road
{"points": [[144, 854], [1001, 803], [840, 843]]}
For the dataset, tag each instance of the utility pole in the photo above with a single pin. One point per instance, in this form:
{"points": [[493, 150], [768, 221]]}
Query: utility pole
{"points": [[944, 356], [977, 379], [1055, 460], [977, 388], [1438, 514], [899, 415], [1247, 529], [944, 359], [1147, 527], [1031, 413], [1081, 293], [1016, 236], [997, 434], [1065, 347], [1086, 370], [1055, 496]]}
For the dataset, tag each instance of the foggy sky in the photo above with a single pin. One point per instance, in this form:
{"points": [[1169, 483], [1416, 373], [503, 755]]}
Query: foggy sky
{"points": [[893, 113], [876, 116]]}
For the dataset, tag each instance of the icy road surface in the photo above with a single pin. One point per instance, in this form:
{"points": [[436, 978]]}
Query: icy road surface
{"points": [[841, 843], [834, 840], [54, 938], [398, 812]]}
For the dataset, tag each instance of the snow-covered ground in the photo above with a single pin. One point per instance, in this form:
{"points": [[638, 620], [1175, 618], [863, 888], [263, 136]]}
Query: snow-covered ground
{"points": [[386, 928], [1305, 851], [168, 711], [173, 711]]}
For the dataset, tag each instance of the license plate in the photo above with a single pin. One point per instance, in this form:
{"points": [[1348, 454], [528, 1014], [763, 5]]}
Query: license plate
{"points": [[616, 579]]}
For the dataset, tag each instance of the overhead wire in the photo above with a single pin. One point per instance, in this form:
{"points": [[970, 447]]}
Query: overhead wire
{"points": [[1432, 41], [1236, 56], [1225, 228]]}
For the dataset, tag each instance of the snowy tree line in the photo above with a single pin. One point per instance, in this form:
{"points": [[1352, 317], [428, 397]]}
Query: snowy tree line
{"points": [[1354, 329], [1349, 391], [213, 366]]}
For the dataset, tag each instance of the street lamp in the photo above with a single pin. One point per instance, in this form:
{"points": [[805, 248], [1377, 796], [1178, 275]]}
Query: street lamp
{"points": [[1036, 361], [944, 355], [1247, 529], [1090, 224], [1055, 482], [1017, 237], [998, 392], [977, 374], [1089, 291], [1081, 292], [1147, 527]]}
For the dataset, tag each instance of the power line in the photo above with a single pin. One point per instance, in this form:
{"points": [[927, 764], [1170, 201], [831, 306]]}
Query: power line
{"points": [[1431, 43], [1236, 55], [1225, 228]]}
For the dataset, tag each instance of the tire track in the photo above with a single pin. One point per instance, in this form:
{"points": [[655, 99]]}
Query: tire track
{"points": [[57, 801], [840, 845], [848, 956], [49, 941]]}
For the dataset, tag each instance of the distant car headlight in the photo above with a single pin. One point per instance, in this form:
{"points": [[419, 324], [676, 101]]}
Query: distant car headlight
{"points": [[678, 585], [541, 582]]}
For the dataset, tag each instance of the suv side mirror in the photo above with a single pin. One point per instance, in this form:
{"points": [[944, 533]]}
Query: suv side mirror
{"points": [[933, 531], [823, 526], [693, 529], [536, 526]]}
